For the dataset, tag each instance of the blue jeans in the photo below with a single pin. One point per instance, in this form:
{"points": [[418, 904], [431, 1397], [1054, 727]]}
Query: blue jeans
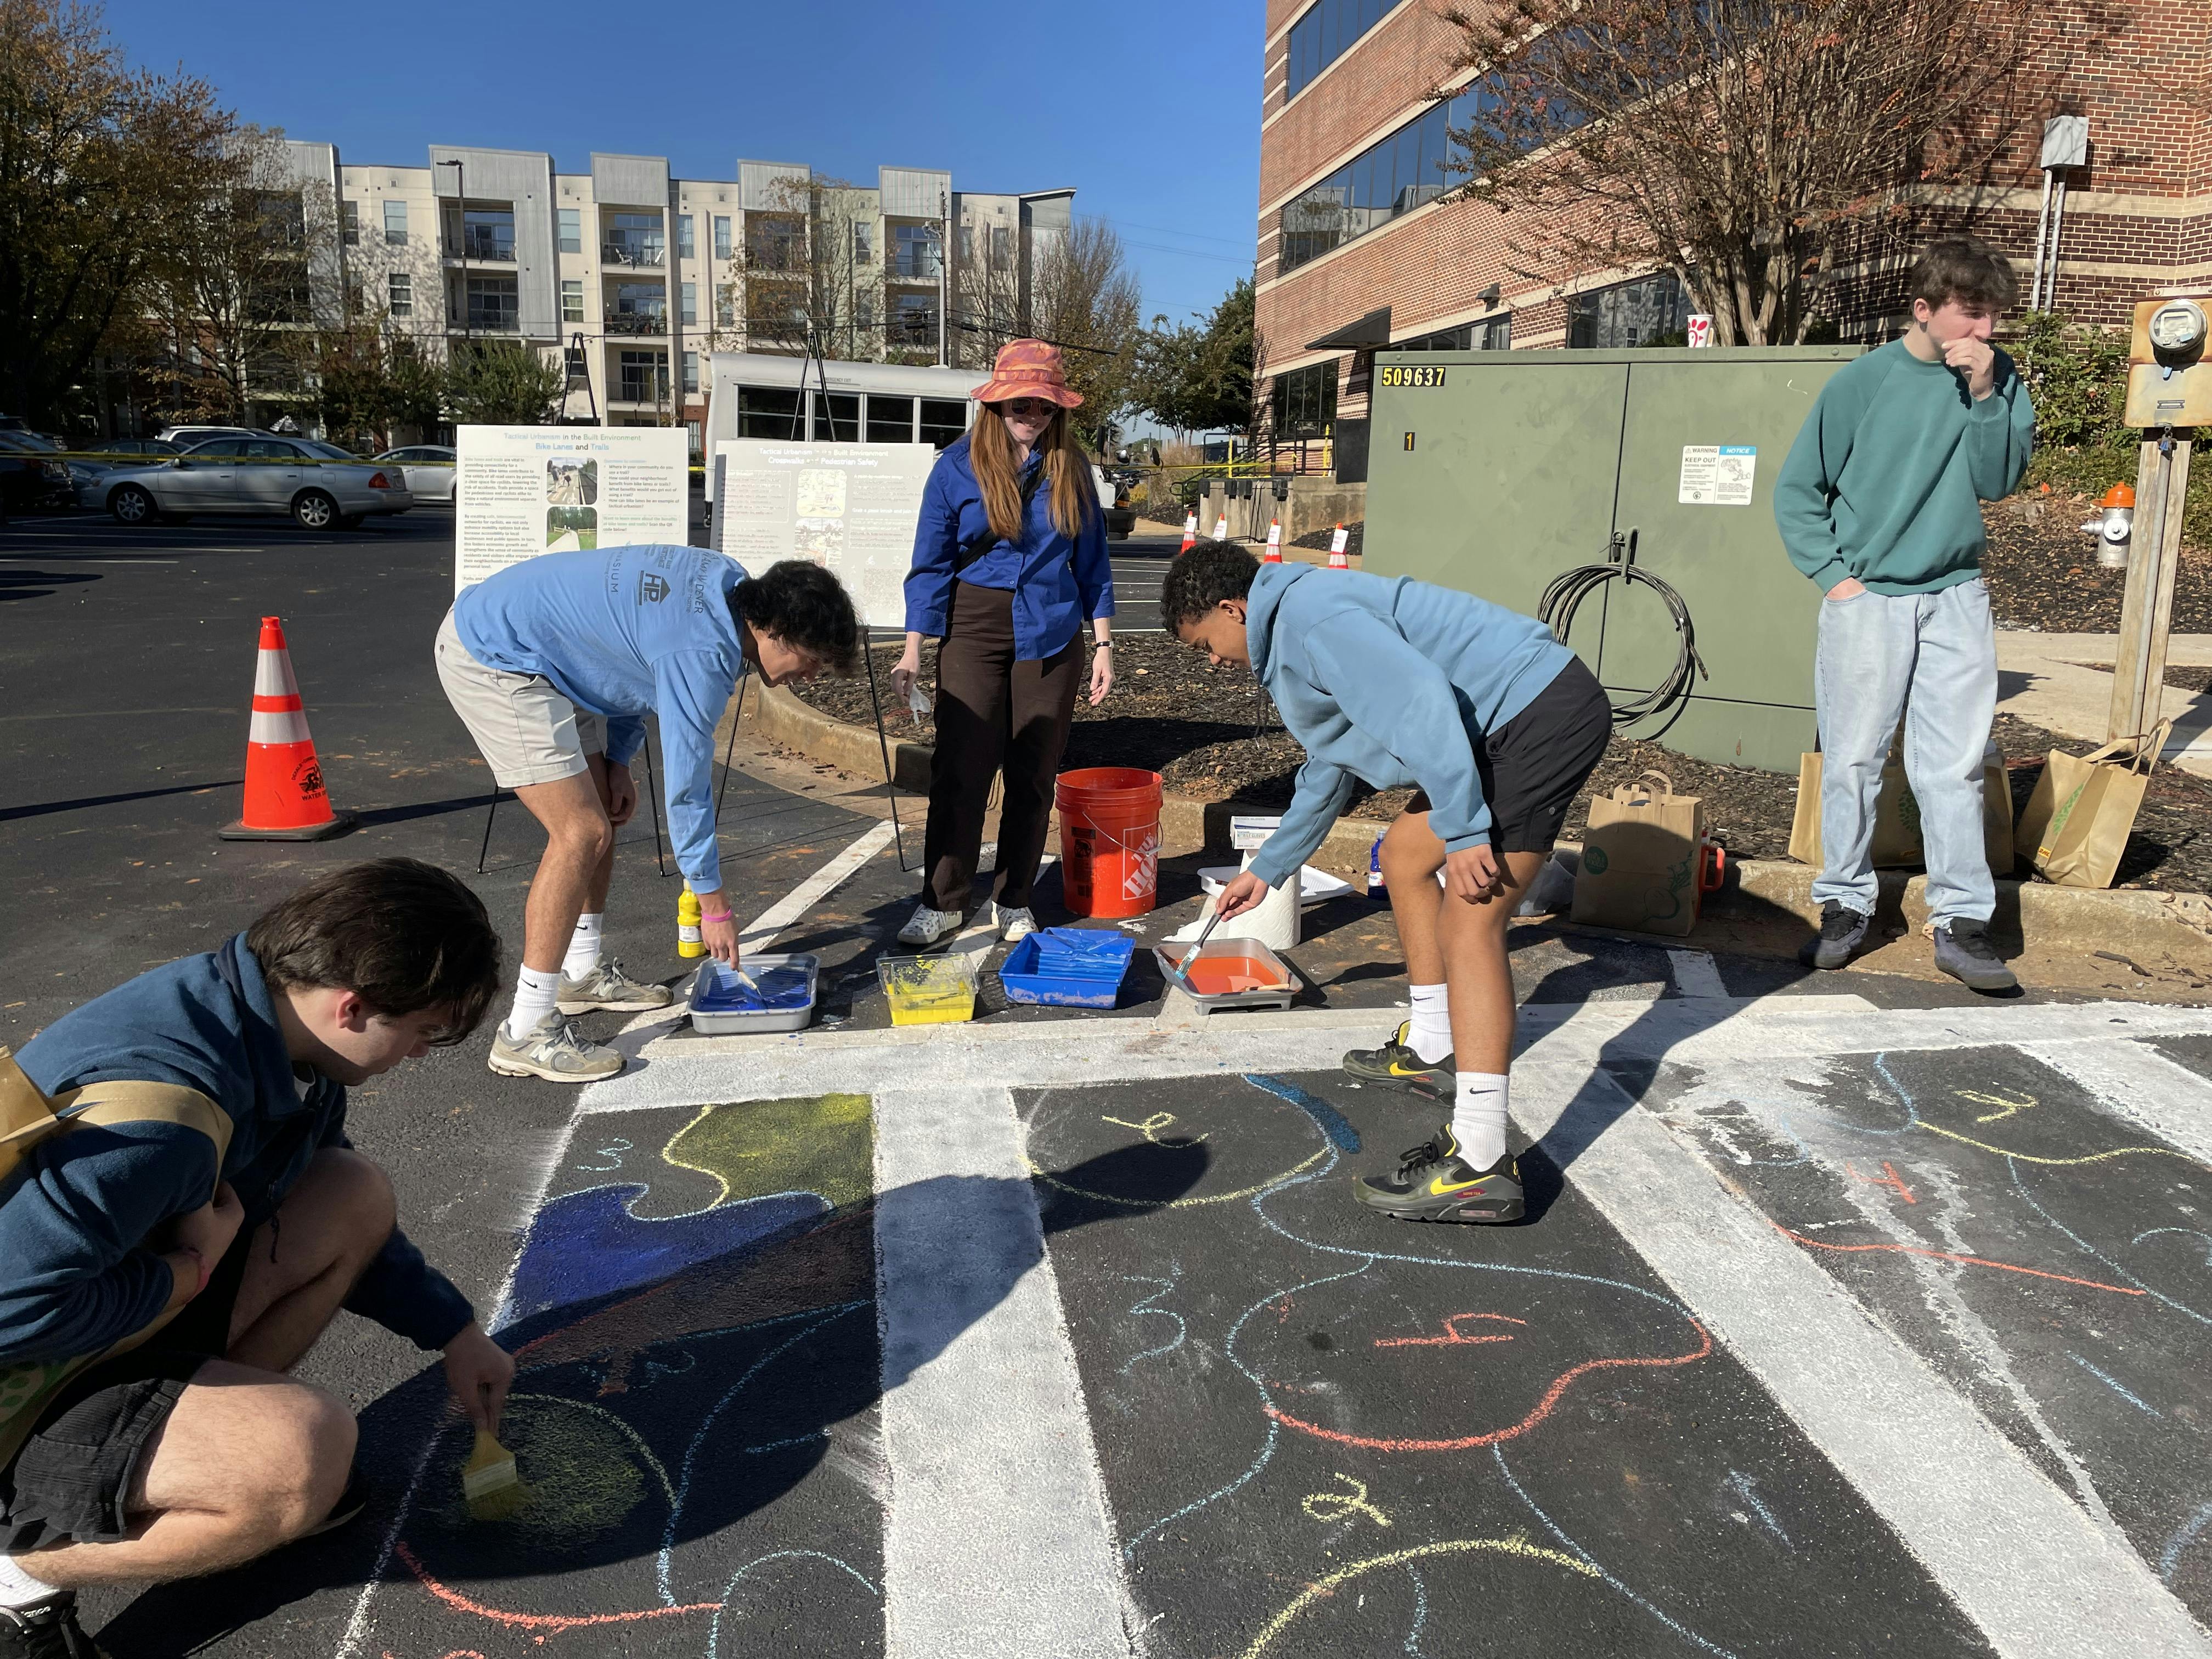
{"points": [[1933, 658]]}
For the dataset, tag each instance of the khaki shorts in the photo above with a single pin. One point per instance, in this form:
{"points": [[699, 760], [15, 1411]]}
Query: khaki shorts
{"points": [[528, 732]]}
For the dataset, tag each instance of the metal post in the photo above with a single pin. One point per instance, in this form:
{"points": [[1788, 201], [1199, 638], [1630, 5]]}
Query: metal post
{"points": [[944, 264], [461, 202], [883, 742], [2042, 233], [2146, 614], [2058, 230]]}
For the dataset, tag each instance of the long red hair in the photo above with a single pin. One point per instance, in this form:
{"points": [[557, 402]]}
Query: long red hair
{"points": [[1074, 495]]}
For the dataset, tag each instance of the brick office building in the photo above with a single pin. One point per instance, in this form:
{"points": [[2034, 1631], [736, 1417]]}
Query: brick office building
{"points": [[1358, 250]]}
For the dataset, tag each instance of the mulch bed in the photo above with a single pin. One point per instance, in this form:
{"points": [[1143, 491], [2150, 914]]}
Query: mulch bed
{"points": [[2043, 571], [1172, 713]]}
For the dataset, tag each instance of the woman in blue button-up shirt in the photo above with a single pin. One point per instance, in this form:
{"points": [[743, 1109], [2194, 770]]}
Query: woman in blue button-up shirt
{"points": [[1009, 558]]}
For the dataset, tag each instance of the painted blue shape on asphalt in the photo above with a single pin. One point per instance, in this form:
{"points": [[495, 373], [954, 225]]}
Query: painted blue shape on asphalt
{"points": [[589, 1245], [1332, 1122]]}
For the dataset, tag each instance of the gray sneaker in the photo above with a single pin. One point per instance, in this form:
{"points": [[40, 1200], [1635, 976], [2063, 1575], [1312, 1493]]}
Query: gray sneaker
{"points": [[1964, 951], [926, 927], [553, 1051], [607, 986], [1843, 930]]}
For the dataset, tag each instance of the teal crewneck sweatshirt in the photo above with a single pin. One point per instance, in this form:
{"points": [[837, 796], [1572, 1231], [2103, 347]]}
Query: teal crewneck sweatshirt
{"points": [[1886, 479]]}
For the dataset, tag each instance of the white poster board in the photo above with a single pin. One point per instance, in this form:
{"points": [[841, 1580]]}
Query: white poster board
{"points": [[850, 506], [523, 490]]}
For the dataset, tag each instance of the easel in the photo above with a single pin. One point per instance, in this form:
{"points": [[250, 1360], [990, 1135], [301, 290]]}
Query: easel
{"points": [[651, 791]]}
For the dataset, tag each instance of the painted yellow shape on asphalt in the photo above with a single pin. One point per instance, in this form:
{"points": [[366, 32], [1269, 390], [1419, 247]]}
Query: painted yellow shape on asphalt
{"points": [[1321, 1587], [823, 1144], [2086, 1157]]}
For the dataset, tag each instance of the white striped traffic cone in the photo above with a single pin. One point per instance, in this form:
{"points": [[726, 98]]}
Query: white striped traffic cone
{"points": [[1274, 553], [1189, 532], [285, 799], [1337, 559], [1221, 528]]}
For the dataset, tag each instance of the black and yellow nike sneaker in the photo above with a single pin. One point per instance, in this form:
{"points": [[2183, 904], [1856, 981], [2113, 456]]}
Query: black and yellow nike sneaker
{"points": [[1434, 1183], [1395, 1062]]}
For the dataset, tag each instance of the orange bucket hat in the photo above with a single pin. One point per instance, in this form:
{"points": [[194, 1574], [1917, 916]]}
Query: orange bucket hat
{"points": [[1028, 368]]}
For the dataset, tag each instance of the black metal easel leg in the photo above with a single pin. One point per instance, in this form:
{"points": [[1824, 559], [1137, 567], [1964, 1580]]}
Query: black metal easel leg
{"points": [[883, 742], [652, 793], [736, 714], [484, 851]]}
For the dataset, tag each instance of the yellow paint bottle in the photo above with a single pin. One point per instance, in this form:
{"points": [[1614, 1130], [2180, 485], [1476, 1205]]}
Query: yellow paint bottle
{"points": [[688, 943]]}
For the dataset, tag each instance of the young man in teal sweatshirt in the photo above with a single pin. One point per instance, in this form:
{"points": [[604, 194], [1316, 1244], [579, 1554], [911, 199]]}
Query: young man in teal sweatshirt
{"points": [[1392, 682], [1880, 504]]}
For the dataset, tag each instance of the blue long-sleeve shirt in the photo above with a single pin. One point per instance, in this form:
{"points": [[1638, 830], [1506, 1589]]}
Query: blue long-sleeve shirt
{"points": [[626, 632], [1056, 581], [76, 1272], [1388, 681]]}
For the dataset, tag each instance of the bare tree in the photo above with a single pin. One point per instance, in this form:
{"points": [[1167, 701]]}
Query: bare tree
{"points": [[1754, 148], [986, 295], [804, 269], [1085, 299]]}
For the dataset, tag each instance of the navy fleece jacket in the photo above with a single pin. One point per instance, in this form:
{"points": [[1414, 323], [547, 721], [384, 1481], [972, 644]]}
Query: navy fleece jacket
{"points": [[76, 1272], [1388, 681]]}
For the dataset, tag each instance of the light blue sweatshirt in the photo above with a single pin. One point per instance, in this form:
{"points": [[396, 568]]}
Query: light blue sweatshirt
{"points": [[1388, 681], [626, 632]]}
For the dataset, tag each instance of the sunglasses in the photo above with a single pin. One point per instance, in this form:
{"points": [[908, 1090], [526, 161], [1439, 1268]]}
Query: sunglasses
{"points": [[1022, 408]]}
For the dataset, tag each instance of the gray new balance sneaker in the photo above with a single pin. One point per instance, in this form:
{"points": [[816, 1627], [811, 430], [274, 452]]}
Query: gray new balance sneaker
{"points": [[1964, 951], [607, 986], [553, 1051], [926, 927]]}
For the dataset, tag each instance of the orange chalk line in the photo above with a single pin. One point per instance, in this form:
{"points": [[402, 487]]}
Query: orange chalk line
{"points": [[1946, 1255], [556, 1623], [1560, 1384], [1451, 1337]]}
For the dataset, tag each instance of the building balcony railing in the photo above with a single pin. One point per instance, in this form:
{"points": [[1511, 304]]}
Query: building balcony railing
{"points": [[634, 253], [636, 322], [493, 322], [481, 250]]}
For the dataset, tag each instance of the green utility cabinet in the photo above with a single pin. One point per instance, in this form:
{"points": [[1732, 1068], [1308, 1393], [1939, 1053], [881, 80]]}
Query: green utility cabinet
{"points": [[1492, 471]]}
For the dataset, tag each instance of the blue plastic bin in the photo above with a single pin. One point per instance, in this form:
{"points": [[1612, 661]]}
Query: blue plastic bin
{"points": [[1068, 967]]}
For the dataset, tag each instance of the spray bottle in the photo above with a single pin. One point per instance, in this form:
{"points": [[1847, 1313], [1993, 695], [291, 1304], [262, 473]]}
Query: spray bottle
{"points": [[688, 943], [1375, 887]]}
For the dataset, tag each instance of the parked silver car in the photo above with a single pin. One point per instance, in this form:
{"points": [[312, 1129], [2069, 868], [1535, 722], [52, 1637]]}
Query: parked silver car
{"points": [[428, 467], [320, 484]]}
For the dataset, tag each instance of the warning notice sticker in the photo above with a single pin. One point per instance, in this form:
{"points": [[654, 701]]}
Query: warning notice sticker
{"points": [[1717, 475]]}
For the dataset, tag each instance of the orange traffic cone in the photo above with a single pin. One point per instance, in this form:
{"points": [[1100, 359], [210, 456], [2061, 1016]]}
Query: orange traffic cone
{"points": [[1337, 560], [1274, 553], [285, 799], [1189, 532], [1221, 528]]}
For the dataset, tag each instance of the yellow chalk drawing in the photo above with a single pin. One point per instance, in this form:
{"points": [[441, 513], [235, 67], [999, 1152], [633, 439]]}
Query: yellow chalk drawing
{"points": [[2008, 1106], [2086, 1157], [1174, 1203], [1151, 1127], [824, 1144], [1315, 1591], [1329, 1507], [585, 1474]]}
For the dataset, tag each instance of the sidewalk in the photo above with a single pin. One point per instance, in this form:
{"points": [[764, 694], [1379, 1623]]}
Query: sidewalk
{"points": [[2042, 679]]}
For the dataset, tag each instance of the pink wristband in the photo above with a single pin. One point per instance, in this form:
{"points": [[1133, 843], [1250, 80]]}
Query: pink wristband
{"points": [[720, 915]]}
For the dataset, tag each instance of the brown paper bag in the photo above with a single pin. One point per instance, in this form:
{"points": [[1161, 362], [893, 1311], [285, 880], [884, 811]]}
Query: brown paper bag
{"points": [[2075, 825], [1897, 840], [1639, 865]]}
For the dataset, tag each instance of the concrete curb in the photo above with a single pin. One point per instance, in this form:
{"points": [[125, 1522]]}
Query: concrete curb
{"points": [[2171, 928]]}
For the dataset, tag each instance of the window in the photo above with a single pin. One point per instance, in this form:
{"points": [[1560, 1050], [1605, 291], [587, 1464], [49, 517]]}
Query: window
{"points": [[572, 358], [1652, 310], [967, 245], [773, 241], [1394, 175], [1491, 334], [689, 299], [572, 230], [1002, 248], [864, 242], [864, 310], [721, 236], [725, 304], [916, 255], [1305, 401], [685, 247], [350, 219], [768, 412], [1326, 32], [395, 224], [691, 371], [572, 302], [698, 434], [842, 424], [913, 319], [635, 239], [487, 233], [493, 306], [644, 377], [400, 293], [890, 420], [943, 420], [638, 308]]}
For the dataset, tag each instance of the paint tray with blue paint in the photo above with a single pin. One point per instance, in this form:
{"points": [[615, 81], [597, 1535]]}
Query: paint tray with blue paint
{"points": [[1068, 967], [780, 999]]}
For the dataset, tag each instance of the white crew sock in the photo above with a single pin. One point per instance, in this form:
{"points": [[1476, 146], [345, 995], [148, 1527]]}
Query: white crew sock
{"points": [[18, 1589], [1431, 1037], [535, 995], [1478, 1117], [584, 945]]}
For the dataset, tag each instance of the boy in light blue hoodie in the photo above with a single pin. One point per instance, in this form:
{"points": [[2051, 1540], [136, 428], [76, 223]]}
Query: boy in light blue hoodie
{"points": [[1394, 682]]}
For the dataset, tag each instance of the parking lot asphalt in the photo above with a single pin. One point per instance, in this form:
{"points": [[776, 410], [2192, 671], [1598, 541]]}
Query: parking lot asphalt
{"points": [[1855, 1314]]}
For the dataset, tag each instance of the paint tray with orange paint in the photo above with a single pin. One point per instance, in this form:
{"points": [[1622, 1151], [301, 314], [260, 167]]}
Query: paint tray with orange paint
{"points": [[1230, 973]]}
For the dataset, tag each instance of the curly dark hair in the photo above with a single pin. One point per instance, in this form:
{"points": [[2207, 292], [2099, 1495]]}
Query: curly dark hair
{"points": [[1966, 269], [1200, 579], [805, 607], [404, 934]]}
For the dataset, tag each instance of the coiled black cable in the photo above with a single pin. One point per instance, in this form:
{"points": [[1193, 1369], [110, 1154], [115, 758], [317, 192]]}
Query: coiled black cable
{"points": [[1563, 595]]}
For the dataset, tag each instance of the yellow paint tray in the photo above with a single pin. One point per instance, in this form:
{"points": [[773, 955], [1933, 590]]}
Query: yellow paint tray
{"points": [[939, 990]]}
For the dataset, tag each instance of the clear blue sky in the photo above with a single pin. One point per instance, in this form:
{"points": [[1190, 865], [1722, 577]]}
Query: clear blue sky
{"points": [[1150, 109]]}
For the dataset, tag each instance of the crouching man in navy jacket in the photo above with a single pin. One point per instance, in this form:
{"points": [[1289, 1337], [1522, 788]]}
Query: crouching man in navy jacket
{"points": [[147, 1428]]}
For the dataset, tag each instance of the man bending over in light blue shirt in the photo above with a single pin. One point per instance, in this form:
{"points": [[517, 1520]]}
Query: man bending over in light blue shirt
{"points": [[1393, 682], [553, 664]]}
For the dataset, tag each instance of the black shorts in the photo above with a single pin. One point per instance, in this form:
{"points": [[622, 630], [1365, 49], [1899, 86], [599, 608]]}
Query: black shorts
{"points": [[1534, 765], [72, 1477]]}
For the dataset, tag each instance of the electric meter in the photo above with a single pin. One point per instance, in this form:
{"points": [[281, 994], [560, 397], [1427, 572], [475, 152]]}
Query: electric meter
{"points": [[2177, 328]]}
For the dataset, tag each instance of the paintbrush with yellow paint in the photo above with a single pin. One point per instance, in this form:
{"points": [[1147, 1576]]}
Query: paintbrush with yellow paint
{"points": [[488, 1481]]}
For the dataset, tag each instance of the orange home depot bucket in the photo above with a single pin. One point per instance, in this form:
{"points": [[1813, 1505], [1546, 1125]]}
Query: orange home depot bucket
{"points": [[1110, 840]]}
